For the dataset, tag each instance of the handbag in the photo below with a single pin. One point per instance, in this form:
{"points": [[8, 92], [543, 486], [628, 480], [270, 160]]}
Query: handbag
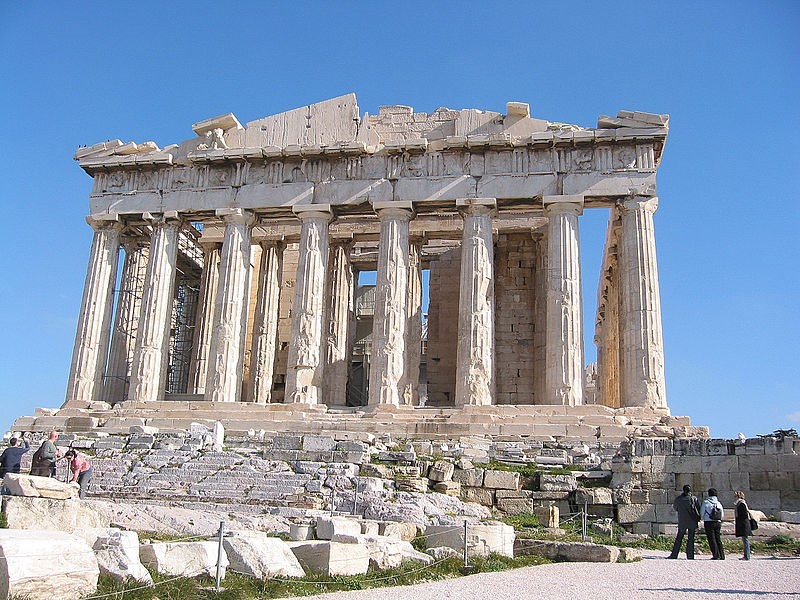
{"points": [[753, 522]]}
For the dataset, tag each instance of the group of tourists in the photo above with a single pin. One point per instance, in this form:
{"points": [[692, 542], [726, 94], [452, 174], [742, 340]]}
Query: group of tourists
{"points": [[43, 462], [691, 512]]}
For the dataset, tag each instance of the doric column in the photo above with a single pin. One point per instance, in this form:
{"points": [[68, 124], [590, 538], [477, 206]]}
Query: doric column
{"points": [[94, 322], [126, 322], [226, 358], [387, 365], [304, 365], [265, 327], [339, 314], [607, 338], [643, 382], [540, 394], [475, 358], [204, 320], [564, 308], [150, 359], [414, 328]]}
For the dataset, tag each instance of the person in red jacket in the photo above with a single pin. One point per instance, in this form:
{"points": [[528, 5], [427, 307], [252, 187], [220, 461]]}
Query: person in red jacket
{"points": [[81, 470]]}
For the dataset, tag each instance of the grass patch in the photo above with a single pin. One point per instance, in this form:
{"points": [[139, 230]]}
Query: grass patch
{"points": [[239, 587]]}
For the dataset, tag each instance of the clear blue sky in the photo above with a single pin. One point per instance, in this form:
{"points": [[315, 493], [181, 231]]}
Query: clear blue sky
{"points": [[75, 73]]}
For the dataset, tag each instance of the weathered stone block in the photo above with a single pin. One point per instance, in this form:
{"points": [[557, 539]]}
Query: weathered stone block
{"points": [[469, 477], [631, 513], [256, 554], [593, 496], [477, 494], [32, 486], [185, 559], [399, 530], [565, 551], [327, 527], [756, 463], [117, 554], [482, 538], [412, 484], [557, 483], [318, 443], [46, 564], [64, 515], [331, 558], [441, 471], [501, 480], [449, 488], [759, 481], [789, 462]]}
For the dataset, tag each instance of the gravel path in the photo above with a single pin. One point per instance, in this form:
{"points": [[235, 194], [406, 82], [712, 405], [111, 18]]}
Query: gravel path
{"points": [[651, 578]]}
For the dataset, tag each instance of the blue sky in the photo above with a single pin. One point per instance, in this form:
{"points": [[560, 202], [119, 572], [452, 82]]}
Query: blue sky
{"points": [[81, 72]]}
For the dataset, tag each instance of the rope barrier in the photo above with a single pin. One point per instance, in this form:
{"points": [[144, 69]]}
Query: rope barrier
{"points": [[146, 586]]}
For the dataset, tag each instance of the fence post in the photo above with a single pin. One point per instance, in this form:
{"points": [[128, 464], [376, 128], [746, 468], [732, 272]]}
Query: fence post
{"points": [[585, 514], [466, 562], [219, 554]]}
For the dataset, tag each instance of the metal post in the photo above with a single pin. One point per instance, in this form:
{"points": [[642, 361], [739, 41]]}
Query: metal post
{"points": [[585, 511], [466, 562], [355, 500], [219, 554]]}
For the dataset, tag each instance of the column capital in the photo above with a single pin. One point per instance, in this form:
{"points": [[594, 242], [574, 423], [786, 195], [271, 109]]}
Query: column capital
{"points": [[209, 245], [170, 217], [396, 208], [236, 216], [104, 221], [476, 206], [312, 211], [563, 203], [648, 203]]}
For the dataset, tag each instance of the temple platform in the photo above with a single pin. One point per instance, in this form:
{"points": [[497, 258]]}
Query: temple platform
{"points": [[541, 423]]}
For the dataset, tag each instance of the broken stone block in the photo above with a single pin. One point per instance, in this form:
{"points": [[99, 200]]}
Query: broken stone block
{"points": [[117, 554], [548, 516], [301, 531], [258, 555], [412, 484], [441, 471], [399, 530], [557, 483], [385, 552], [568, 551], [318, 443], [482, 538], [450, 488], [331, 558], [71, 515], [501, 480], [184, 559], [469, 477], [327, 527], [32, 486], [46, 564], [477, 494]]}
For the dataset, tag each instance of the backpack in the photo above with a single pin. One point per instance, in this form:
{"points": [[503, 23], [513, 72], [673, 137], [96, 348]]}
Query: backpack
{"points": [[39, 466], [716, 513], [694, 509]]}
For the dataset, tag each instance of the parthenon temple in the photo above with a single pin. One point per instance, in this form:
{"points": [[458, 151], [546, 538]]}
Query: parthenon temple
{"points": [[334, 261]]}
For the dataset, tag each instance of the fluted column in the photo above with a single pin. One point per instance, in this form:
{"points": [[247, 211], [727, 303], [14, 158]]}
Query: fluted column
{"points": [[340, 313], [94, 322], [265, 327], [564, 308], [226, 357], [126, 322], [204, 320], [150, 359], [642, 382], [304, 368], [475, 358], [387, 365], [414, 328]]}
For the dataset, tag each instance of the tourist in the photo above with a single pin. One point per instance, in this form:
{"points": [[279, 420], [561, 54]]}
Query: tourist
{"points": [[12, 457], [743, 528], [712, 513], [688, 509], [81, 470], [44, 460]]}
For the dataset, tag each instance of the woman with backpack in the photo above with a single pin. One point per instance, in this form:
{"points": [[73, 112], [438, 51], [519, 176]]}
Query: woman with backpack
{"points": [[712, 514]]}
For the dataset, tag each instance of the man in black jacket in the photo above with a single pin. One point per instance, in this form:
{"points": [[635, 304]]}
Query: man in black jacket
{"points": [[11, 457], [688, 509]]}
